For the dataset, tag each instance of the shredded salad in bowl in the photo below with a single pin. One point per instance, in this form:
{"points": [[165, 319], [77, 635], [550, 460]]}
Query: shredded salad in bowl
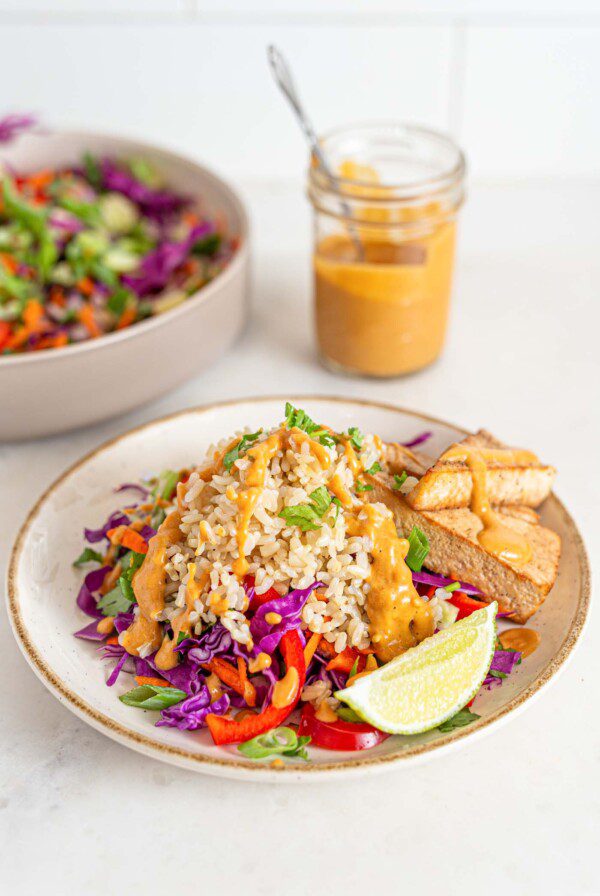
{"points": [[267, 597], [96, 247]]}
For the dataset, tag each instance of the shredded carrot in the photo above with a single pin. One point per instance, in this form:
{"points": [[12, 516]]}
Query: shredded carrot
{"points": [[326, 648], [134, 542], [113, 640], [33, 313], [86, 286], [126, 318], [242, 670], [57, 295], [149, 679], [311, 646], [52, 342], [191, 219], [128, 538], [110, 579], [86, 317], [39, 179], [231, 676], [9, 263], [18, 338], [190, 266]]}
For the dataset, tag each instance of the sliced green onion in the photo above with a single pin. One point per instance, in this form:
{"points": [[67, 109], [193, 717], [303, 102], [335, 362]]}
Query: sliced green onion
{"points": [[277, 742], [149, 696], [400, 480], [417, 550]]}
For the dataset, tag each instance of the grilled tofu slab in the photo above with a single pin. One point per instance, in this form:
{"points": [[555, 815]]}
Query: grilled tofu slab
{"points": [[449, 483], [455, 551]]}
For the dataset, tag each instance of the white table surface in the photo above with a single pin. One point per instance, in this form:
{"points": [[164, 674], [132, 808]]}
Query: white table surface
{"points": [[514, 813]]}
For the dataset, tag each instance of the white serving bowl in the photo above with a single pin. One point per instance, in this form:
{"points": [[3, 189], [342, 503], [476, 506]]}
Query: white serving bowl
{"points": [[54, 390]]}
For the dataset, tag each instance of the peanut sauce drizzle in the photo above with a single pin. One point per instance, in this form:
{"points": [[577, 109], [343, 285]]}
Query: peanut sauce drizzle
{"points": [[247, 499], [149, 588], [286, 689], [494, 537], [525, 640], [398, 617]]}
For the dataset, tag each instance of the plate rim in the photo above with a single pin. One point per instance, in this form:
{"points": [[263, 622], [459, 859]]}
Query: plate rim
{"points": [[234, 766]]}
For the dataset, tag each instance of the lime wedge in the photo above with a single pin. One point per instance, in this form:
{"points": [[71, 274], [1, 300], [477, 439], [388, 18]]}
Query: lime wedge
{"points": [[428, 684]]}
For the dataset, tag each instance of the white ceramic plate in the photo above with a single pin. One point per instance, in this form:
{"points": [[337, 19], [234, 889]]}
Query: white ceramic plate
{"points": [[43, 587], [208, 322]]}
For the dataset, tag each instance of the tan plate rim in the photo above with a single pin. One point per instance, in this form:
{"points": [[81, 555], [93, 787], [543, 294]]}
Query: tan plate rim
{"points": [[145, 744]]}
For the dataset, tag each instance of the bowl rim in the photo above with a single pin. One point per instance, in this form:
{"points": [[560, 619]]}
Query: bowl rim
{"points": [[204, 763], [205, 293]]}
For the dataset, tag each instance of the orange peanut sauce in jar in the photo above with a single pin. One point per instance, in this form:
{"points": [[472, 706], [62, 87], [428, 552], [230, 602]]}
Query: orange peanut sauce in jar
{"points": [[384, 255]]}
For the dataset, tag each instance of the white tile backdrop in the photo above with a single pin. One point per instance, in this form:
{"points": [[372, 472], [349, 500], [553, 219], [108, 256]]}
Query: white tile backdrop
{"points": [[516, 81]]}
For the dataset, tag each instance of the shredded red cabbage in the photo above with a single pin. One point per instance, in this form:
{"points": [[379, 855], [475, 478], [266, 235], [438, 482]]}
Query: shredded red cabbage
{"points": [[190, 714], [147, 532], [429, 578], [156, 204], [92, 582], [13, 125], [266, 636], [157, 267], [90, 633], [503, 662], [114, 520], [418, 440], [134, 487], [123, 621], [213, 642]]}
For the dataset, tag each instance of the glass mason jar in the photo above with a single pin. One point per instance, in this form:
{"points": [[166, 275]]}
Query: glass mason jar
{"points": [[384, 240]]}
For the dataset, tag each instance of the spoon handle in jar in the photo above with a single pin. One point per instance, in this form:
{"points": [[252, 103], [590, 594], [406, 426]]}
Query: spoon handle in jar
{"points": [[283, 77]]}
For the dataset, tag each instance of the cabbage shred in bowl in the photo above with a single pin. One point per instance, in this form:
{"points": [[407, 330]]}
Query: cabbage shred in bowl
{"points": [[91, 249]]}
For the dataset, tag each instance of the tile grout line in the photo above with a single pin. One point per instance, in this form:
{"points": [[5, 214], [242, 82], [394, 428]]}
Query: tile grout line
{"points": [[190, 13]]}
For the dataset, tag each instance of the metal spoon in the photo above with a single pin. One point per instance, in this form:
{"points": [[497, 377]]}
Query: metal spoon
{"points": [[283, 77]]}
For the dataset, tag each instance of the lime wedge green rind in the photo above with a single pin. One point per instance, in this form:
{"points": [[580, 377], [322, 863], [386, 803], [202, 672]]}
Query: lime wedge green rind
{"points": [[430, 683]]}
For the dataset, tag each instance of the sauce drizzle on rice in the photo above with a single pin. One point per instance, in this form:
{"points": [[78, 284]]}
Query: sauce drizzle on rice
{"points": [[376, 604]]}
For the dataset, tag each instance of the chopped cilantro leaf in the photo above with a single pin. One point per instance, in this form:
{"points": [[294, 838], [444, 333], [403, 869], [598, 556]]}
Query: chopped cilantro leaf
{"points": [[321, 500], [363, 487], [307, 516], [356, 437], [87, 556], [242, 446], [299, 419], [463, 717], [375, 468], [114, 601]]}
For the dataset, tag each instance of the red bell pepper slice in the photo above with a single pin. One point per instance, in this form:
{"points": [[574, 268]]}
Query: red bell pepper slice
{"points": [[258, 600], [339, 735], [344, 661], [5, 333], [465, 604], [230, 731]]}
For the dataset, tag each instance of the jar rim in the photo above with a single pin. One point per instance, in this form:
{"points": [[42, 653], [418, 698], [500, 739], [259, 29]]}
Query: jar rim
{"points": [[431, 184]]}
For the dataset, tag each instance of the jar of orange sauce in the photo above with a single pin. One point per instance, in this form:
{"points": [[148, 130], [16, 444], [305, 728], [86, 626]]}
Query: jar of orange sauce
{"points": [[384, 244]]}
